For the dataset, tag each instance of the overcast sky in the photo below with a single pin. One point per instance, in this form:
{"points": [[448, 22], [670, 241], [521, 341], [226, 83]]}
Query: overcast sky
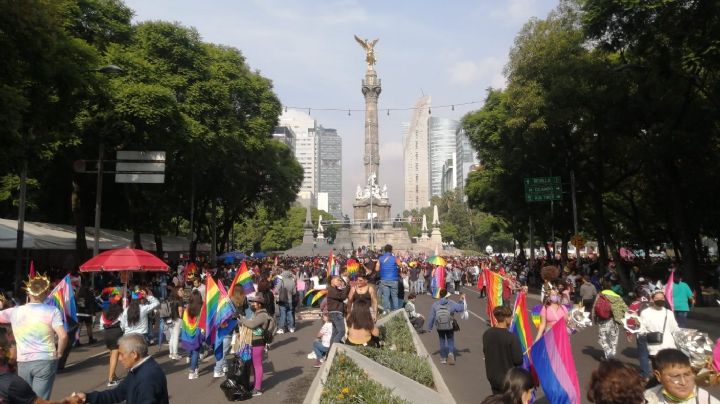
{"points": [[450, 50]]}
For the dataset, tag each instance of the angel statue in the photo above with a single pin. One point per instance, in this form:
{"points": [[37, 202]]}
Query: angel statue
{"points": [[369, 47]]}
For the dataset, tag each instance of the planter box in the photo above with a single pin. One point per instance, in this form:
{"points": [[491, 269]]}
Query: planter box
{"points": [[402, 386]]}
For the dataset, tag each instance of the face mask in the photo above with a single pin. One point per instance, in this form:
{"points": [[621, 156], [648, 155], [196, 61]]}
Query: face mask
{"points": [[659, 303], [554, 299]]}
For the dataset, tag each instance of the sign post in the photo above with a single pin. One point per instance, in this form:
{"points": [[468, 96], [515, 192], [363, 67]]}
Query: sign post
{"points": [[543, 189]]}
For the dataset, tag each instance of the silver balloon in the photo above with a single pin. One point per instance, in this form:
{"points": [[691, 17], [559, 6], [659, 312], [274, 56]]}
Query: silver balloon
{"points": [[695, 344]]}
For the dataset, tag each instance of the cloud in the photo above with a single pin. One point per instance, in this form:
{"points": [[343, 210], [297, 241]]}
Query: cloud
{"points": [[515, 12], [487, 71]]}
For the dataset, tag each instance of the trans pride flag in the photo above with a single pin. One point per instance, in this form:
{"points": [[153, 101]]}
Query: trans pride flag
{"points": [[63, 298], [554, 364], [243, 277], [493, 282]]}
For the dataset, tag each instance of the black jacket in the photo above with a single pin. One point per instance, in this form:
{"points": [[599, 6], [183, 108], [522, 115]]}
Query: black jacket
{"points": [[146, 384], [336, 299]]}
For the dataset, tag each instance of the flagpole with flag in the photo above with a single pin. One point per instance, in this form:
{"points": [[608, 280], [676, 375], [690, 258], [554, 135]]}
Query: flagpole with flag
{"points": [[31, 273], [493, 283], [243, 277], [63, 297], [520, 327], [555, 366], [668, 290]]}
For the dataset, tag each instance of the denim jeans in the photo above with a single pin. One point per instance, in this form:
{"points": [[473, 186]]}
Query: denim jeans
{"points": [[681, 318], [320, 349], [389, 293], [413, 287], [338, 322], [174, 336], [40, 375], [643, 356], [447, 343], [287, 316], [225, 352], [420, 285], [194, 359]]}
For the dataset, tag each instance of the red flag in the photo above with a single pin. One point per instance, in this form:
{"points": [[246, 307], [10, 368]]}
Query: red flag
{"points": [[669, 290], [32, 274]]}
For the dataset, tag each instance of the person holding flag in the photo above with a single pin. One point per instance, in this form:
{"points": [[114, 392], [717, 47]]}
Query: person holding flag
{"points": [[441, 315], [35, 325], [501, 348]]}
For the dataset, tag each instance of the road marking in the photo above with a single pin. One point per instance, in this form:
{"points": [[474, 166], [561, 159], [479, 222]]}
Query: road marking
{"points": [[86, 359]]}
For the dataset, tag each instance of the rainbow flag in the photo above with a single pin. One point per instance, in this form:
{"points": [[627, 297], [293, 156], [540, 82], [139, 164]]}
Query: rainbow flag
{"points": [[225, 314], [63, 297], [668, 290], [353, 268], [493, 281], [332, 269], [244, 278], [190, 332], [520, 326], [555, 366], [190, 270], [438, 281]]}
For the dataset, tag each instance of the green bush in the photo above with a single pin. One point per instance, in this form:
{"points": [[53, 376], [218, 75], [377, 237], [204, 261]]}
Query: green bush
{"points": [[405, 363], [347, 383], [396, 333]]}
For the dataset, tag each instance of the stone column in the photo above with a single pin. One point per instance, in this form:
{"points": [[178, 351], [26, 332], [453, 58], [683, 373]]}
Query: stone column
{"points": [[371, 91]]}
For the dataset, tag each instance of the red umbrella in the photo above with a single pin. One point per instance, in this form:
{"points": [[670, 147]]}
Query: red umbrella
{"points": [[124, 259]]}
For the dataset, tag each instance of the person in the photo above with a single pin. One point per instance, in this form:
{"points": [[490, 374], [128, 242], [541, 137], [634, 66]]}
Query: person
{"points": [[636, 307], [258, 324], [588, 292], [672, 369], [363, 291], [361, 327], [134, 319], [416, 319], [440, 316], [608, 313], [337, 293], [287, 300], [682, 297], [199, 286], [388, 265], [112, 332], [658, 319], [191, 334], [34, 326], [551, 312], [145, 381], [174, 322], [321, 345], [86, 308], [614, 382], [518, 387], [265, 289], [501, 348], [415, 279]]}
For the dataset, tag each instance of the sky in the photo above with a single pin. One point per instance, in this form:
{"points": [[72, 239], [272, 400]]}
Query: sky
{"points": [[451, 50]]}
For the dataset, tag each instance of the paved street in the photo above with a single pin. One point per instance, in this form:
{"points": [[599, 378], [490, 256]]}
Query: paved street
{"points": [[288, 372]]}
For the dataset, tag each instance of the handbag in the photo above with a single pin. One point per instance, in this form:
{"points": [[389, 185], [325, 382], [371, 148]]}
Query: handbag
{"points": [[456, 326], [656, 337]]}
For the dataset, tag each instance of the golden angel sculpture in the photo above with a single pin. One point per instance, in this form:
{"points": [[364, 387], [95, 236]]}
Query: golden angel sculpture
{"points": [[369, 47]]}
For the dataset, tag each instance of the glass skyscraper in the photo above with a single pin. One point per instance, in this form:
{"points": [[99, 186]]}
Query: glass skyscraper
{"points": [[441, 147]]}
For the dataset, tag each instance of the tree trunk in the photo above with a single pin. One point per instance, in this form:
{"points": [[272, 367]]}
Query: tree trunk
{"points": [[159, 245], [564, 250], [81, 250]]}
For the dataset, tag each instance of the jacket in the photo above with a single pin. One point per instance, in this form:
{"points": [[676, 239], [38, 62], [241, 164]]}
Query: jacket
{"points": [[258, 323], [452, 306], [336, 299], [144, 384]]}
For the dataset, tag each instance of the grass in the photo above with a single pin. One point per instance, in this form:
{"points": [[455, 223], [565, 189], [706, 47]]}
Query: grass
{"points": [[395, 334], [347, 383], [407, 364]]}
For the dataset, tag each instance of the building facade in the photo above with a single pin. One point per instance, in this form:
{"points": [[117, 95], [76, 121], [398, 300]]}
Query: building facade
{"points": [[416, 158], [330, 171], [441, 147], [467, 160], [285, 135]]}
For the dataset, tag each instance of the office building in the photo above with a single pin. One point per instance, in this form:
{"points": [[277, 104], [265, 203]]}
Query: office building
{"points": [[416, 158], [467, 160], [441, 147], [330, 171]]}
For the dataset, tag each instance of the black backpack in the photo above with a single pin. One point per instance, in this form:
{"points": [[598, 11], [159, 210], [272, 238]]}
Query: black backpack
{"points": [[237, 383]]}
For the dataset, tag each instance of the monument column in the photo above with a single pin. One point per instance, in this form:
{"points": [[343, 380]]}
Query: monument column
{"points": [[371, 91]]}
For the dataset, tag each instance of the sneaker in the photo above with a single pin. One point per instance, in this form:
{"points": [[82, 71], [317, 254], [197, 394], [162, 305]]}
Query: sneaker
{"points": [[443, 361], [280, 331], [451, 359], [187, 359], [311, 355], [218, 374], [256, 393], [113, 383], [457, 292], [317, 364], [292, 330], [192, 375]]}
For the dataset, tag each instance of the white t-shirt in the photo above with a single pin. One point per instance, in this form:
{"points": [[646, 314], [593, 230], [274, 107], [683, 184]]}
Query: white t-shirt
{"points": [[142, 326], [326, 332], [652, 320]]}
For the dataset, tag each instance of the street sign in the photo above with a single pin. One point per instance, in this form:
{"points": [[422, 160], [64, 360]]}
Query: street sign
{"points": [[543, 189], [578, 241], [140, 167]]}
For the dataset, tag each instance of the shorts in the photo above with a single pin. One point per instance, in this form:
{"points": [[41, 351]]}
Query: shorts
{"points": [[112, 335]]}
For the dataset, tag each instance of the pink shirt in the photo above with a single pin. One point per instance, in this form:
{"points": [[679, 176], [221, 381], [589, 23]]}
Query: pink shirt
{"points": [[32, 326], [552, 315]]}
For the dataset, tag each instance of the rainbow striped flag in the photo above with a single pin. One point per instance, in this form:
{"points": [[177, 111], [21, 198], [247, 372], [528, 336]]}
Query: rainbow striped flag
{"points": [[63, 297], [493, 282], [332, 269], [190, 332], [225, 314], [190, 270], [353, 268], [438, 281], [555, 366], [244, 278], [520, 326]]}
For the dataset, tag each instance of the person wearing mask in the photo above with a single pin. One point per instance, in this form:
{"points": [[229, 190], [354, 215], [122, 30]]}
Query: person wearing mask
{"points": [[337, 292], [258, 324], [677, 381], [608, 313], [614, 382], [35, 326], [551, 312], [659, 324], [441, 316], [145, 381], [501, 348], [518, 387], [388, 266]]}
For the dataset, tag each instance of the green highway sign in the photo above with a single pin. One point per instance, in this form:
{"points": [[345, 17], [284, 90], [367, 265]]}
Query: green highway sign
{"points": [[543, 189]]}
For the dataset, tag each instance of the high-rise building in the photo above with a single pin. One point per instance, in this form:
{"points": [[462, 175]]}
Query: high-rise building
{"points": [[285, 135], [330, 171], [441, 147], [467, 160], [449, 179], [416, 158], [306, 151]]}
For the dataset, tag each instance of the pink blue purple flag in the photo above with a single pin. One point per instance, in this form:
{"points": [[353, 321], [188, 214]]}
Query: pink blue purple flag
{"points": [[669, 290], [63, 297], [555, 367]]}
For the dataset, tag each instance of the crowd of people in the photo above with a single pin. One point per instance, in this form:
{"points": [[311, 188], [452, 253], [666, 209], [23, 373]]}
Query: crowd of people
{"points": [[169, 307]]}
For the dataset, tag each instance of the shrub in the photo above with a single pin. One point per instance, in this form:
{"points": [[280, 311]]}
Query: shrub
{"points": [[396, 333], [347, 383], [405, 363]]}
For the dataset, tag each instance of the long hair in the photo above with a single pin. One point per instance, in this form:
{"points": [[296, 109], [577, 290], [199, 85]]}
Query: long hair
{"points": [[113, 311], [517, 382], [360, 317], [195, 304], [133, 312]]}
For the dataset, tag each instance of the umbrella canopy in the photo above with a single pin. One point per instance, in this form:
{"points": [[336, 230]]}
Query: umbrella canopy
{"points": [[232, 255], [436, 260], [258, 255], [124, 259]]}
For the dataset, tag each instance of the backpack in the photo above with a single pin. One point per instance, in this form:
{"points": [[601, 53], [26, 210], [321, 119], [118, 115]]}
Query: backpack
{"points": [[165, 311], [443, 318], [603, 307], [269, 331]]}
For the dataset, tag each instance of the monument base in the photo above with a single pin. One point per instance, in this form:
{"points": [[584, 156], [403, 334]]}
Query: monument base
{"points": [[380, 209]]}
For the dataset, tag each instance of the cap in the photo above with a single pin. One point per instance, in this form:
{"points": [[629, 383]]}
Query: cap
{"points": [[257, 299]]}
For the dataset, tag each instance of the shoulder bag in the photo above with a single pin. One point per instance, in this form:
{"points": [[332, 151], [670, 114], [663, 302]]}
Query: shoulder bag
{"points": [[656, 337]]}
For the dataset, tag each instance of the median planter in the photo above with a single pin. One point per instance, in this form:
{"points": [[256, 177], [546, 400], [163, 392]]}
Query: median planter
{"points": [[401, 367]]}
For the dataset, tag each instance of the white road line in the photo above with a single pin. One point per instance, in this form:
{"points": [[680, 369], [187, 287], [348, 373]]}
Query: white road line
{"points": [[86, 359]]}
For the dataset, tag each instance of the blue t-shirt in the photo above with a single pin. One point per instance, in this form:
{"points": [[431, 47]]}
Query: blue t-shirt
{"points": [[681, 296]]}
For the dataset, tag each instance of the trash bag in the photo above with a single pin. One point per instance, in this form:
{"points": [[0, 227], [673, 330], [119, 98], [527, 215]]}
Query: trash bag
{"points": [[237, 385]]}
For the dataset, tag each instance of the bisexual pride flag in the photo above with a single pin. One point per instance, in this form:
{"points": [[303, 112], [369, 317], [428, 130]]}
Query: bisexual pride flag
{"points": [[555, 367]]}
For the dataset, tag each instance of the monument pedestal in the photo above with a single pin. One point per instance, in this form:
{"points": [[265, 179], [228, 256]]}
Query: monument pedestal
{"points": [[380, 209]]}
